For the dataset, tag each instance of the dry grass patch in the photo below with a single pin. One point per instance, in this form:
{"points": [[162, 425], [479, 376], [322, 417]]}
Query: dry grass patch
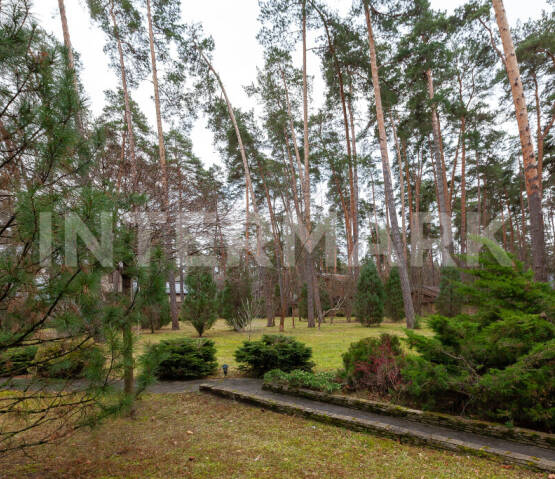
{"points": [[200, 436]]}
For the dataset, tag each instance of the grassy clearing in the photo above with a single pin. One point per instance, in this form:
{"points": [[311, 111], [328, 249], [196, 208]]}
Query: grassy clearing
{"points": [[200, 436], [328, 343]]}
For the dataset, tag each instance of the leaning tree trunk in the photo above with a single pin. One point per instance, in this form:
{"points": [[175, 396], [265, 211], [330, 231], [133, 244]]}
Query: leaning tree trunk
{"points": [[531, 172], [164, 169], [397, 242], [250, 190]]}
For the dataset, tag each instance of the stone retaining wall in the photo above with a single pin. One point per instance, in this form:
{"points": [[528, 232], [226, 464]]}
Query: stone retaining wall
{"points": [[398, 433], [524, 436]]}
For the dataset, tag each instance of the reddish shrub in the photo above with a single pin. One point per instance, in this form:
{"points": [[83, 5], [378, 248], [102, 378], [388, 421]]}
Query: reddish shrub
{"points": [[375, 364]]}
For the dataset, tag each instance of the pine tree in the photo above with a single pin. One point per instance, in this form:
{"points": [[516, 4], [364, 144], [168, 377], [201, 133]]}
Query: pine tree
{"points": [[394, 308], [46, 283], [200, 305], [236, 291], [120, 20], [369, 297]]}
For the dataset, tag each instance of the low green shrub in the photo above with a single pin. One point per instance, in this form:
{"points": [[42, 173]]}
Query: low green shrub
{"points": [[17, 361], [323, 381], [66, 359], [374, 364], [273, 352], [180, 359]]}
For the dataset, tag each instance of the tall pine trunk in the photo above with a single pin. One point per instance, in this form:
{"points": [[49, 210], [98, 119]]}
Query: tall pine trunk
{"points": [[531, 172], [463, 186], [444, 207], [164, 169], [128, 117], [309, 270], [397, 243], [354, 213], [71, 59], [128, 382], [277, 251], [350, 216], [401, 184], [126, 279]]}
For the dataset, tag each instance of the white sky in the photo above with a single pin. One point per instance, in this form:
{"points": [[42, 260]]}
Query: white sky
{"points": [[232, 23]]}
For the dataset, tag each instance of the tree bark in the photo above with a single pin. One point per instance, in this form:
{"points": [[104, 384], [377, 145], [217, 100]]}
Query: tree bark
{"points": [[403, 273], [531, 171]]}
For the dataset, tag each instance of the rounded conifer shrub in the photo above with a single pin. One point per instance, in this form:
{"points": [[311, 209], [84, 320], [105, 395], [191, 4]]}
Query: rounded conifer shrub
{"points": [[181, 359], [273, 352], [369, 296]]}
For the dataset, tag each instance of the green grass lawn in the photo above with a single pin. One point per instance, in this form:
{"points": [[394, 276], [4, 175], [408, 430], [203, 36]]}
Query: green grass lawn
{"points": [[200, 436], [327, 343]]}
